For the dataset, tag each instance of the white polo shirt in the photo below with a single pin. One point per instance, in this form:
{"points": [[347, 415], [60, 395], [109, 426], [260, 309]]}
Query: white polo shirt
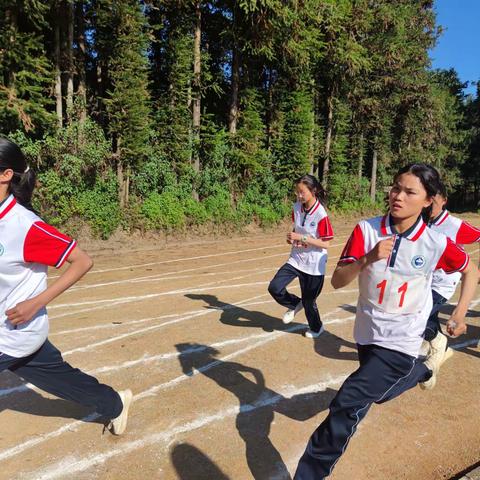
{"points": [[314, 223], [460, 232], [27, 247], [395, 294]]}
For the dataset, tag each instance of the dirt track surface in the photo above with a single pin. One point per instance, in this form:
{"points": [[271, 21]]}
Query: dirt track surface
{"points": [[223, 390]]}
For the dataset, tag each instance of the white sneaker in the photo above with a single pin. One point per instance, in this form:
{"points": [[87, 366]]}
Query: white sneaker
{"points": [[290, 314], [439, 353], [312, 334], [118, 425]]}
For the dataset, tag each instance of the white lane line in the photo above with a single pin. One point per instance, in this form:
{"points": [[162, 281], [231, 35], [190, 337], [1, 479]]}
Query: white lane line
{"points": [[183, 259], [168, 275], [8, 453], [125, 300], [187, 259], [169, 355], [148, 329], [66, 467], [205, 286], [127, 323]]}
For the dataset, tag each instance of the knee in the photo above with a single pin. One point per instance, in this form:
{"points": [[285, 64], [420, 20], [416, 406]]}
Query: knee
{"points": [[273, 289]]}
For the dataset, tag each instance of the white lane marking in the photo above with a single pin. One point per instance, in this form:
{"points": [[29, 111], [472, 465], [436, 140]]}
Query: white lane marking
{"points": [[168, 275], [148, 329], [168, 292], [187, 259], [8, 453], [169, 355], [67, 467]]}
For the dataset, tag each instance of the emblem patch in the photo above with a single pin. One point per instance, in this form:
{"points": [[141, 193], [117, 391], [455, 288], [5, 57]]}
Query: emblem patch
{"points": [[418, 261]]}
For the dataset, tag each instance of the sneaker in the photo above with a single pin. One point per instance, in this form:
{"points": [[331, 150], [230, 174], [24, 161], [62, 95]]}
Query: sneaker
{"points": [[312, 334], [290, 314], [439, 353], [118, 425]]}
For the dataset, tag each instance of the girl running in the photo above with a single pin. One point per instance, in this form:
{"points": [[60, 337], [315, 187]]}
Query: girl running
{"points": [[443, 285], [394, 258], [27, 247], [310, 239]]}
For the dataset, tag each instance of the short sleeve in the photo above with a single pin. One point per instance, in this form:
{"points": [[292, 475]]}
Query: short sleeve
{"points": [[354, 248], [453, 259], [467, 234], [46, 245], [324, 229]]}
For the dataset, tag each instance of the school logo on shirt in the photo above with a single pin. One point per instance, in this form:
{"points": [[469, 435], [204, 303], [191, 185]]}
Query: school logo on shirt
{"points": [[312, 224], [418, 261], [2, 249]]}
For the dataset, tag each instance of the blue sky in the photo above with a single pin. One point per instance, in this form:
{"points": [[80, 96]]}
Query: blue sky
{"points": [[459, 45]]}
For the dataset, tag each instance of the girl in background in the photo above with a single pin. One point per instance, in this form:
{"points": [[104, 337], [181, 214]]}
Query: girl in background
{"points": [[310, 239]]}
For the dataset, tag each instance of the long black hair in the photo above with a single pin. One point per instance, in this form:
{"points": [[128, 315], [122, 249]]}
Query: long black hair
{"points": [[23, 180], [429, 178], [314, 186]]}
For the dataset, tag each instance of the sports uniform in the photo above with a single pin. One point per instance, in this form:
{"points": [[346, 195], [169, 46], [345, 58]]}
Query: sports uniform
{"points": [[307, 263], [27, 247], [392, 311], [443, 285]]}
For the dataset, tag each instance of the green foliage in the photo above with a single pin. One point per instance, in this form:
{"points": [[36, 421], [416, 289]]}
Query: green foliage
{"points": [[249, 157], [219, 206], [350, 196], [285, 89], [163, 211], [293, 145], [99, 206], [26, 73]]}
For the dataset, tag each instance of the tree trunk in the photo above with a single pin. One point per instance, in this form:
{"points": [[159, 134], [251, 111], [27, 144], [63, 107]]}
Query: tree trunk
{"points": [[58, 72], [328, 140], [11, 21], [233, 112], [196, 110], [373, 180], [82, 82], [99, 87], [121, 177], [360, 158], [70, 65]]}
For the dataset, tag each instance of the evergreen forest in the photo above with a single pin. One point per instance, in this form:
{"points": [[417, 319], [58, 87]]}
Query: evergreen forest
{"points": [[175, 114]]}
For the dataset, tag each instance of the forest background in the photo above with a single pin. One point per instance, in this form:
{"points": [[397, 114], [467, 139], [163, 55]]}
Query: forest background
{"points": [[174, 114]]}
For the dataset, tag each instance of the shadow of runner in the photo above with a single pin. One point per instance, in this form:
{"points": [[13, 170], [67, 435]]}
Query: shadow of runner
{"points": [[238, 316], [34, 403], [328, 345], [257, 406], [192, 464]]}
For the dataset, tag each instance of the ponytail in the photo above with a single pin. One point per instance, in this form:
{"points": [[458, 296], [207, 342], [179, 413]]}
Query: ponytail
{"points": [[23, 180], [314, 186]]}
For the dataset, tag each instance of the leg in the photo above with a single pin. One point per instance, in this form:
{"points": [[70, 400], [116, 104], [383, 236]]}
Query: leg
{"points": [[47, 370], [311, 286], [278, 287], [433, 324], [380, 372]]}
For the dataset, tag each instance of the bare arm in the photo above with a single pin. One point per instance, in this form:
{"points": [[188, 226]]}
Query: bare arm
{"points": [[308, 241], [80, 264], [456, 324], [346, 273]]}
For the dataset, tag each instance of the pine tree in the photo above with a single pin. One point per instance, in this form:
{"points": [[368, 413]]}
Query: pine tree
{"points": [[26, 75], [128, 100]]}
